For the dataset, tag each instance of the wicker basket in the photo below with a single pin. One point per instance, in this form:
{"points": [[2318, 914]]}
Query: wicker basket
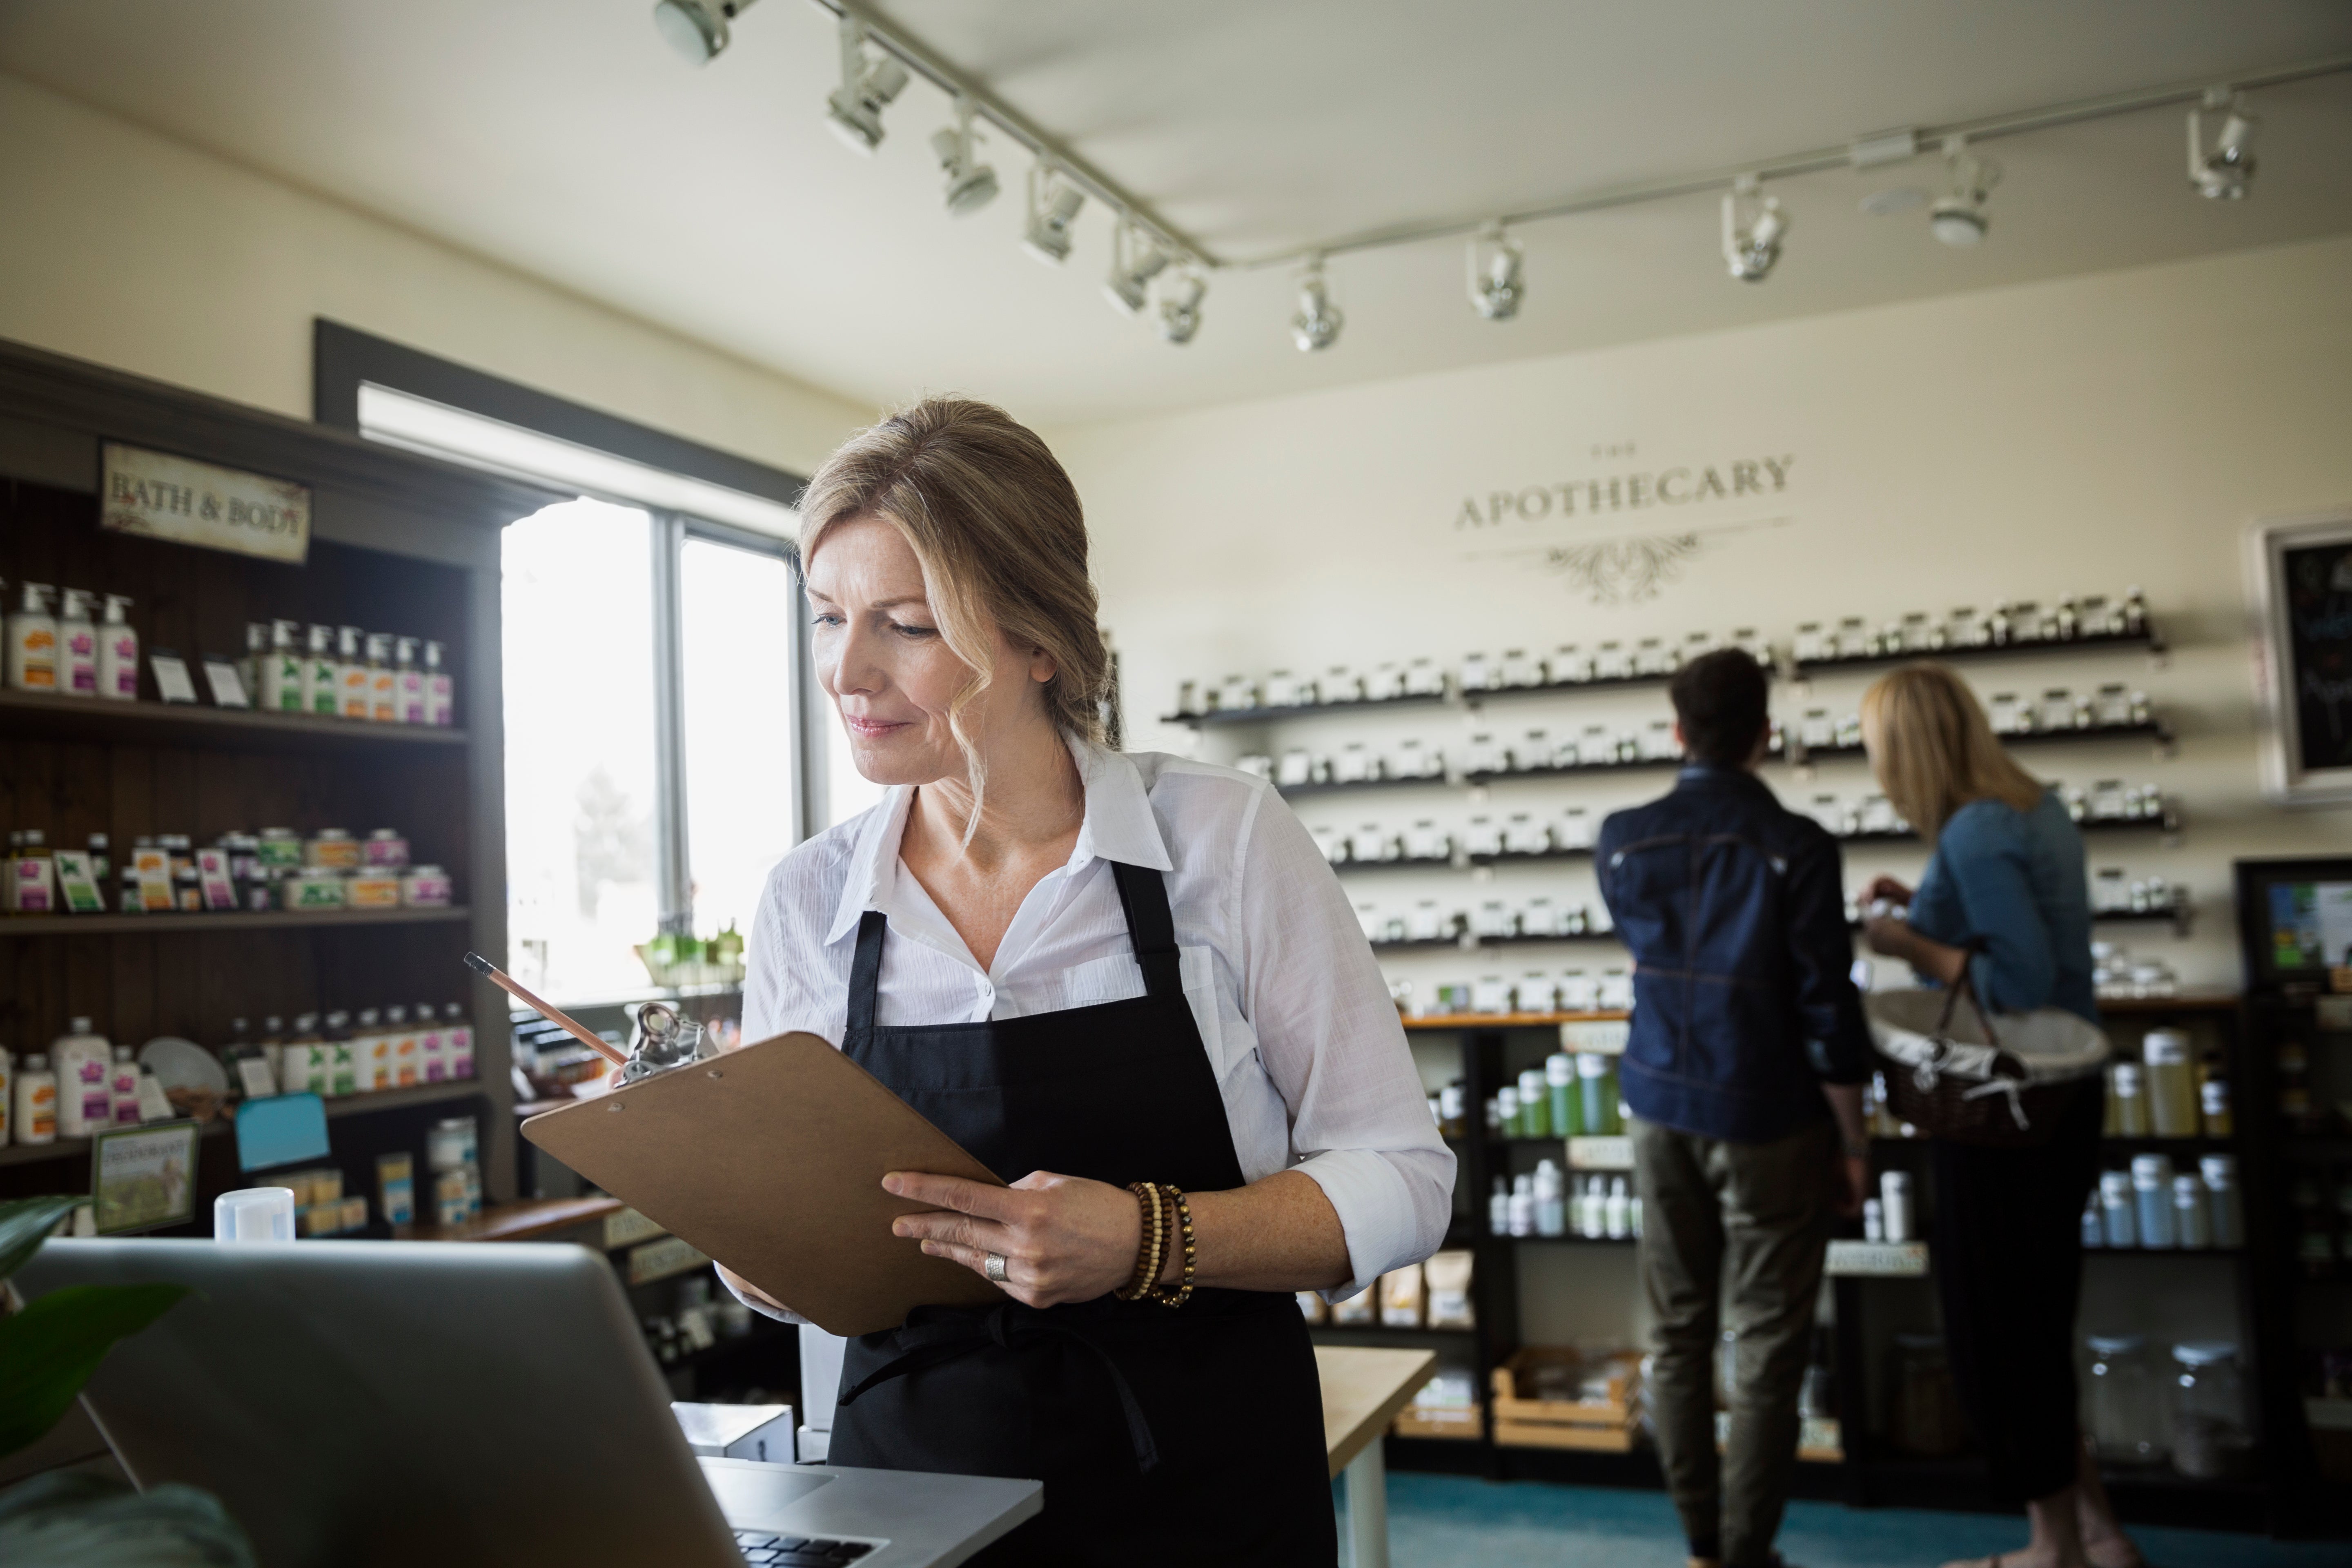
{"points": [[1961, 1080]]}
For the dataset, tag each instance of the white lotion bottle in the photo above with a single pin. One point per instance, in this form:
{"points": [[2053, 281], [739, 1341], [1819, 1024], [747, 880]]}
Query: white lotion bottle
{"points": [[408, 683], [351, 674], [285, 686], [76, 644], [440, 689], [33, 642], [118, 653], [322, 676]]}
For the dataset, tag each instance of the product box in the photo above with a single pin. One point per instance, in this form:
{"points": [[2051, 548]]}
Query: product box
{"points": [[152, 867], [372, 890], [396, 1188], [311, 890], [426, 887], [1446, 1277], [31, 890], [77, 888], [216, 879], [1400, 1293]]}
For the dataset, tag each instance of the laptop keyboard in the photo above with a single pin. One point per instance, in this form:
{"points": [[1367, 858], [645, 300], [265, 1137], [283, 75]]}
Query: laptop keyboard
{"points": [[768, 1550]]}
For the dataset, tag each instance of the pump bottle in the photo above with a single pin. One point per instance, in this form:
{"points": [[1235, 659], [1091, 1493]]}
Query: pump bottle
{"points": [[36, 1120], [256, 662], [352, 677], [440, 689], [118, 653], [78, 645], [321, 673], [283, 681], [33, 642], [408, 682], [383, 687]]}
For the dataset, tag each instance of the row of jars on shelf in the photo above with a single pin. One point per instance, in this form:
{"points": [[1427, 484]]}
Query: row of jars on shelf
{"points": [[2152, 1206], [1537, 991], [1431, 920], [2060, 711], [2059, 621], [1572, 830], [2192, 1414]]}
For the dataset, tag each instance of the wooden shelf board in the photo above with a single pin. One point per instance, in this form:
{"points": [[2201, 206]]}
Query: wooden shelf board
{"points": [[180, 723], [220, 1126], [267, 920], [518, 1221]]}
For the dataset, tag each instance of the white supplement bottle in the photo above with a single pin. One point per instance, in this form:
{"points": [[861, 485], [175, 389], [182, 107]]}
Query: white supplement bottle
{"points": [[36, 1119], [408, 682], [118, 653], [84, 1060], [33, 642], [285, 673]]}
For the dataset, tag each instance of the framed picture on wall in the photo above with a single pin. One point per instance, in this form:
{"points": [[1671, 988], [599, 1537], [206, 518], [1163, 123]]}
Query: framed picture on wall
{"points": [[2299, 576]]}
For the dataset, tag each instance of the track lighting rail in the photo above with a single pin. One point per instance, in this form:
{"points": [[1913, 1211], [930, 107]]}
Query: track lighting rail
{"points": [[919, 59], [1924, 138]]}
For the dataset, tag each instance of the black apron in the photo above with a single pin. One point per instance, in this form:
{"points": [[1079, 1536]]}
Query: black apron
{"points": [[1189, 1436]]}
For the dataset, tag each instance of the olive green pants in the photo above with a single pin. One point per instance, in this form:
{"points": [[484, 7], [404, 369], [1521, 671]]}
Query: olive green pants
{"points": [[1732, 1239]]}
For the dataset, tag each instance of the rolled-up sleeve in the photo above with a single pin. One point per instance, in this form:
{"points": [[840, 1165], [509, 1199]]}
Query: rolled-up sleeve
{"points": [[1330, 1040]]}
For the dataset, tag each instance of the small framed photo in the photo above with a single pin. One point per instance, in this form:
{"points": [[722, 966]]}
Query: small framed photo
{"points": [[2299, 581], [172, 682], [228, 686], [141, 1178]]}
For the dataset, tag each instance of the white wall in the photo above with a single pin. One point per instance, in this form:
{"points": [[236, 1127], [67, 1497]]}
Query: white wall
{"points": [[141, 253], [2028, 442]]}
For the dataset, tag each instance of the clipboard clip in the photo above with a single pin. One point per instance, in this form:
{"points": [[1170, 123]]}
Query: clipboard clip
{"points": [[663, 1040]]}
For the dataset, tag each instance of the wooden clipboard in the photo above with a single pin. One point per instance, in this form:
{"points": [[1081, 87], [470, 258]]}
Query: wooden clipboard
{"points": [[770, 1159]]}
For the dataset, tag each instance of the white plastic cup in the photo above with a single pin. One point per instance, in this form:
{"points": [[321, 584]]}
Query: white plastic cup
{"points": [[254, 1214]]}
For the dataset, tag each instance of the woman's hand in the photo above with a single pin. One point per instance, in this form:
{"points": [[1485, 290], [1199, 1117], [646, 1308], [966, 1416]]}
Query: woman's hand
{"points": [[1887, 888], [1063, 1238], [1890, 935]]}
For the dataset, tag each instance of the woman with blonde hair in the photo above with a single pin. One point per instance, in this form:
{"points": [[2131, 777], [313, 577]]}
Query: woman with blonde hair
{"points": [[2004, 903], [1126, 983]]}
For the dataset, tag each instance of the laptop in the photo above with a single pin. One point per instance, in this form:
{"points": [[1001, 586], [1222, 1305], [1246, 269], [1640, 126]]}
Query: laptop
{"points": [[357, 1403]]}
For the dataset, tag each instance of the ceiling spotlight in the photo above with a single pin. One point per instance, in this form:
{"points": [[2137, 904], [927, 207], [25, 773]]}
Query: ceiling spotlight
{"points": [[1179, 305], [697, 29], [1317, 323], [971, 185], [1960, 219], [1753, 227], [1136, 259], [869, 83], [2222, 174], [1496, 286], [1054, 204]]}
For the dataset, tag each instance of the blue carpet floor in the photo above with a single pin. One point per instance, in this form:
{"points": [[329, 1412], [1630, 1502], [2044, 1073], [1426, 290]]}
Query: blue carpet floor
{"points": [[1453, 1522]]}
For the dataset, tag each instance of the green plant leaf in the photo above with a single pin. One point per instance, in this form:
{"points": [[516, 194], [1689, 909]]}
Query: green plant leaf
{"points": [[74, 1520], [48, 1349], [26, 1222]]}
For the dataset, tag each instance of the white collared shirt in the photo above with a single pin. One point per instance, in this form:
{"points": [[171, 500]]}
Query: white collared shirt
{"points": [[1292, 1010]]}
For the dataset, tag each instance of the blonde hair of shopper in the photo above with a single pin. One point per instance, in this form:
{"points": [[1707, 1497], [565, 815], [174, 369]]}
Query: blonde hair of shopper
{"points": [[997, 524], [1934, 750]]}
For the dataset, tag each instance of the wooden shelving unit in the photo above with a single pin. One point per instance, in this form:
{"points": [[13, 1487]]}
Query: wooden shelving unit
{"points": [[399, 544]]}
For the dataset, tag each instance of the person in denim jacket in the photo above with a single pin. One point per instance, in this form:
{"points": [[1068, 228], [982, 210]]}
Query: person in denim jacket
{"points": [[1743, 1071], [2003, 900]]}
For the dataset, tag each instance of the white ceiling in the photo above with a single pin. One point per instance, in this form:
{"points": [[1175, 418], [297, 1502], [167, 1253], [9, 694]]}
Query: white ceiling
{"points": [[562, 138]]}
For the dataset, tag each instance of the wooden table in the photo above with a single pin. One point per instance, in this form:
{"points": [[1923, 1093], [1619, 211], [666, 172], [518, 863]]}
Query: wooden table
{"points": [[1363, 1389]]}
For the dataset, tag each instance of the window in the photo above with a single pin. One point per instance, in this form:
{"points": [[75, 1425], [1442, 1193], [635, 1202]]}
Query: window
{"points": [[656, 766]]}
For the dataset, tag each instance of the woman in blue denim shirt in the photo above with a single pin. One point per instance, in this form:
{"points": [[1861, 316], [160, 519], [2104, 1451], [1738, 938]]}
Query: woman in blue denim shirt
{"points": [[2006, 880]]}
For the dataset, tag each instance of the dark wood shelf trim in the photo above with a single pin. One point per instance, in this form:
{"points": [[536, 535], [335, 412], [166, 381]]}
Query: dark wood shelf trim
{"points": [[267, 920], [180, 723], [220, 1126]]}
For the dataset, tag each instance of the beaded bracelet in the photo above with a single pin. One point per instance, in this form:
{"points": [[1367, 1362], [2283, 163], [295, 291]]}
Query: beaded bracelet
{"points": [[1149, 1255], [1184, 1291]]}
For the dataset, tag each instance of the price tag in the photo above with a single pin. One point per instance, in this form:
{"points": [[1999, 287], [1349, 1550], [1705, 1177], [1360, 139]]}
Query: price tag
{"points": [[660, 1259], [1602, 1039], [1881, 1260], [1601, 1153]]}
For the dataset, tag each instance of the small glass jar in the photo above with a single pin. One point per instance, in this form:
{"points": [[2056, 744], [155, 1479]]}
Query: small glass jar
{"points": [[2210, 1439], [2128, 1413]]}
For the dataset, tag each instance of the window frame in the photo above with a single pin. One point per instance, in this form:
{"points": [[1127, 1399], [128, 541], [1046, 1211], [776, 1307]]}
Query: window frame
{"points": [[343, 359]]}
